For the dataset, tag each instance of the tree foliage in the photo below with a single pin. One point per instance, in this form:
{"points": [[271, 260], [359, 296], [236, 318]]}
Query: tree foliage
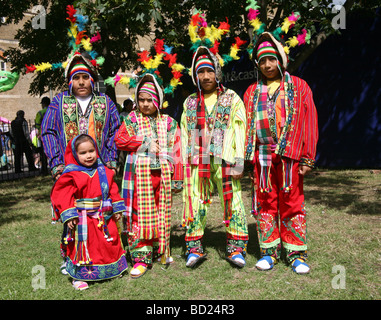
{"points": [[122, 22]]}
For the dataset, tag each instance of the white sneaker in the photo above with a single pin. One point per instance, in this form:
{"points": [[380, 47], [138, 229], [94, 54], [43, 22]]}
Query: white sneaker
{"points": [[190, 260]]}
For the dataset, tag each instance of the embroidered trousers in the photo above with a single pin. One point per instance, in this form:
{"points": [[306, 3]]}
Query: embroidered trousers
{"points": [[237, 229], [281, 215]]}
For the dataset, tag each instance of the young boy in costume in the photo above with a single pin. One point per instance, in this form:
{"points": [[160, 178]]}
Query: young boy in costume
{"points": [[282, 134], [213, 128], [153, 169], [87, 200]]}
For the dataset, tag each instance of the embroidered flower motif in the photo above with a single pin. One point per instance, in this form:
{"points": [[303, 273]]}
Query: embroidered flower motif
{"points": [[71, 130], [89, 273], [266, 221]]}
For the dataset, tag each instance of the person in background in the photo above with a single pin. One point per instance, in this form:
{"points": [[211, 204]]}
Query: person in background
{"points": [[45, 102], [128, 106], [22, 142]]}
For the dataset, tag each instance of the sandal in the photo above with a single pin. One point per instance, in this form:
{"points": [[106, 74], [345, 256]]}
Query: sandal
{"points": [[265, 263], [63, 268], [80, 285], [300, 266], [138, 270], [237, 259], [194, 258]]}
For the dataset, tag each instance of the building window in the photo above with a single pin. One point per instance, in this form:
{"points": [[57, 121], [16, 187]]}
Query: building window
{"points": [[3, 65]]}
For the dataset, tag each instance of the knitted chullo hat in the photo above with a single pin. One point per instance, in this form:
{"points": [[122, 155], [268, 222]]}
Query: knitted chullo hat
{"points": [[77, 68], [149, 87], [203, 61], [268, 49]]}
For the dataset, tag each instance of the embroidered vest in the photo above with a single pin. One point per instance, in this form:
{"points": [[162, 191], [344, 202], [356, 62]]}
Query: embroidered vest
{"points": [[217, 122], [91, 123]]}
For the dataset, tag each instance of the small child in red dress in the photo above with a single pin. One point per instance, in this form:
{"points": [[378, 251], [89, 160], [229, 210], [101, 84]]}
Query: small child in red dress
{"points": [[87, 199]]}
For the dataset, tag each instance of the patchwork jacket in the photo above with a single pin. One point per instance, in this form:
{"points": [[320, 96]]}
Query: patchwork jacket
{"points": [[299, 135]]}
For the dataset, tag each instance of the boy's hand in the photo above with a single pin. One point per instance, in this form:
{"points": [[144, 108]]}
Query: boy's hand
{"points": [[303, 170]]}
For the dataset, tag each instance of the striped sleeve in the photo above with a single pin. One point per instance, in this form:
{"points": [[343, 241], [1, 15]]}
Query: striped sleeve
{"points": [[125, 141], [311, 133], [307, 124], [51, 129], [113, 125]]}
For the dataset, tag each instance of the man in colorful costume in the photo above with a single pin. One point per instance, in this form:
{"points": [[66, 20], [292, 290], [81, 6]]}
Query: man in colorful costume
{"points": [[213, 128], [77, 111], [153, 169], [281, 138]]}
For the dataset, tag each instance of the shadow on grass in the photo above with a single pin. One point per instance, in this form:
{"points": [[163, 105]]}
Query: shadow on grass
{"points": [[347, 191], [14, 193], [215, 239], [351, 191]]}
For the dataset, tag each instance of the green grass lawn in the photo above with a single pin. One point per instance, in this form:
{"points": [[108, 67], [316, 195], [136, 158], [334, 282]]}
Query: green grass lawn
{"points": [[343, 208]]}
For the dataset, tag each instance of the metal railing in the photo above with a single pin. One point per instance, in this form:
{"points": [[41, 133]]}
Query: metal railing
{"points": [[8, 154]]}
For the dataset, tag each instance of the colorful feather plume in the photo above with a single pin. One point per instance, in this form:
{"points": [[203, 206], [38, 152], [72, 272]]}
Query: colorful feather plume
{"points": [[77, 40], [151, 65], [287, 24], [211, 37], [201, 34]]}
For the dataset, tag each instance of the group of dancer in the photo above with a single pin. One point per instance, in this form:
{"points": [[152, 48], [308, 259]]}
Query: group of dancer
{"points": [[271, 134]]}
